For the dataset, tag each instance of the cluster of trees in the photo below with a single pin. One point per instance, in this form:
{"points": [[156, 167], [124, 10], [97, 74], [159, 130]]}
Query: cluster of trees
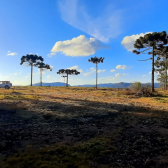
{"points": [[94, 60], [155, 42], [37, 61]]}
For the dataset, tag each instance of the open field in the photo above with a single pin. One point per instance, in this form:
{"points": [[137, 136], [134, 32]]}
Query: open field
{"points": [[50, 127]]}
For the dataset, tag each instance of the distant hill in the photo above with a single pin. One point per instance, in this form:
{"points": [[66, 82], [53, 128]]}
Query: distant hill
{"points": [[115, 85], [108, 85], [51, 84]]}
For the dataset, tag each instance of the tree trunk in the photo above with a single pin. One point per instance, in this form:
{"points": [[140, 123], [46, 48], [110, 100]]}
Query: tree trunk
{"points": [[31, 73], [153, 70], [96, 75], [166, 72], [40, 76], [67, 80]]}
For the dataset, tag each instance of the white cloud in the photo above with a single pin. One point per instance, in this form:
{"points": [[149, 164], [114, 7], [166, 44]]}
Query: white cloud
{"points": [[122, 67], [143, 75], [103, 27], [6, 77], [49, 76], [100, 71], [117, 75], [9, 51], [51, 66], [80, 70], [112, 70], [79, 46], [88, 73], [15, 74], [27, 76], [74, 67], [128, 41], [12, 54], [150, 72], [93, 70], [51, 54]]}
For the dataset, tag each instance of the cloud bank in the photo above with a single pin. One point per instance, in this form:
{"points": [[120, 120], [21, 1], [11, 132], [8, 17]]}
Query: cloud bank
{"points": [[79, 46], [122, 67]]}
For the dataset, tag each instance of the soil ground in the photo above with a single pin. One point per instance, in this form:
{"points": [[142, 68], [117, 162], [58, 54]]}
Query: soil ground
{"points": [[50, 127]]}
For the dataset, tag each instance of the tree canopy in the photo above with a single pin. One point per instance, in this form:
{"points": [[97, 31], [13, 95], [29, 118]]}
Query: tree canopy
{"points": [[151, 41], [68, 72], [32, 61], [96, 60]]}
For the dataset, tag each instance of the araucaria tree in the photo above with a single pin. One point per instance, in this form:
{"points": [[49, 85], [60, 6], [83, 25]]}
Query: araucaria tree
{"points": [[96, 61], [151, 41], [31, 60], [42, 66], [68, 72], [162, 65]]}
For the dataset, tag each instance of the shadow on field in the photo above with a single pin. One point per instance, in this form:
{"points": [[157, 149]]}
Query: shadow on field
{"points": [[45, 123]]}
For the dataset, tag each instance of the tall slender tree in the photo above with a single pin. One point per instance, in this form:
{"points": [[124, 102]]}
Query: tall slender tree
{"points": [[42, 66], [96, 61], [151, 41], [68, 72], [31, 60]]}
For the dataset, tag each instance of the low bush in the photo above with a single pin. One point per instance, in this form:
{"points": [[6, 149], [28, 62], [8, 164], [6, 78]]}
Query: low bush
{"points": [[139, 89]]}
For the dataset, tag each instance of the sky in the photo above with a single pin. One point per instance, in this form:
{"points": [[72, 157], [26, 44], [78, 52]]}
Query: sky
{"points": [[66, 33]]}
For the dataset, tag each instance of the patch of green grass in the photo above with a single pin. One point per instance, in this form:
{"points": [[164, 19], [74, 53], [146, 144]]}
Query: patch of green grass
{"points": [[19, 97], [161, 100]]}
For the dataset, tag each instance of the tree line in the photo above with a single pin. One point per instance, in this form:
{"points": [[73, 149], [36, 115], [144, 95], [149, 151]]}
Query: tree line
{"points": [[154, 42]]}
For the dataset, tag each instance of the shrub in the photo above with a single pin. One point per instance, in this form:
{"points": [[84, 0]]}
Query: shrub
{"points": [[146, 89], [128, 91], [136, 86]]}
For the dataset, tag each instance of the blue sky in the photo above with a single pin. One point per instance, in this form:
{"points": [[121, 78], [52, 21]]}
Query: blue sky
{"points": [[66, 33]]}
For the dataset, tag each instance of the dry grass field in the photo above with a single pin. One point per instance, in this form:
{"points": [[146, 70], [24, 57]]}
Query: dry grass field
{"points": [[76, 127]]}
